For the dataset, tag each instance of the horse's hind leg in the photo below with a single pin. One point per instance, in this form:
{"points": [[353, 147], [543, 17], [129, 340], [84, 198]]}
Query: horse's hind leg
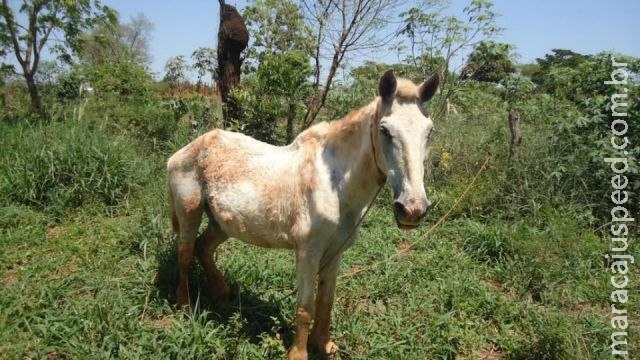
{"points": [[188, 232], [206, 244]]}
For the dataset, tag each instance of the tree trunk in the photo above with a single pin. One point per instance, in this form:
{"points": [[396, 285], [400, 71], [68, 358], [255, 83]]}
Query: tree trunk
{"points": [[34, 94], [233, 38], [319, 99], [4, 103], [516, 138]]}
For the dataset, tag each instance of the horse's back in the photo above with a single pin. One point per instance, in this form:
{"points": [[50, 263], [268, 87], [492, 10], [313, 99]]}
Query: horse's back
{"points": [[252, 188]]}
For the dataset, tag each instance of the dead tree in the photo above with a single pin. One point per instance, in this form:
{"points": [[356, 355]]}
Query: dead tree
{"points": [[343, 27], [233, 38]]}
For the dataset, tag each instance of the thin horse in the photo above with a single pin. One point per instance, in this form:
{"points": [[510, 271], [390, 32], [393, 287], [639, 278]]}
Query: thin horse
{"points": [[309, 196]]}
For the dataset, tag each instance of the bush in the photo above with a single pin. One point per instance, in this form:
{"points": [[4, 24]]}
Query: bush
{"points": [[61, 166], [254, 115]]}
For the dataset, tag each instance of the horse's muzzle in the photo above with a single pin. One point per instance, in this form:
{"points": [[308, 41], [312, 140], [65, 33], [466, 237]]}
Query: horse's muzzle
{"points": [[409, 214]]}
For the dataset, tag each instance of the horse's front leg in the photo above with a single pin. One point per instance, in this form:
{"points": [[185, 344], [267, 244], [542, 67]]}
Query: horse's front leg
{"points": [[306, 269], [324, 302]]}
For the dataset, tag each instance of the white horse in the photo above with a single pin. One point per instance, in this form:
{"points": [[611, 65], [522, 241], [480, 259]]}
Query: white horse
{"points": [[308, 196]]}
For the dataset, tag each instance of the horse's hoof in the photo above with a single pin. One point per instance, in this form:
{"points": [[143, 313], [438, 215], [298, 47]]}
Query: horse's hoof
{"points": [[216, 292], [182, 298], [330, 350], [296, 354]]}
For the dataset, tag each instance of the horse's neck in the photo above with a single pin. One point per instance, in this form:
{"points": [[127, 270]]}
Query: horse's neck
{"points": [[353, 157]]}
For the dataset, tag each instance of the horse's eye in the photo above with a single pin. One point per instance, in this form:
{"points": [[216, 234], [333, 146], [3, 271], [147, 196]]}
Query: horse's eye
{"points": [[385, 132]]}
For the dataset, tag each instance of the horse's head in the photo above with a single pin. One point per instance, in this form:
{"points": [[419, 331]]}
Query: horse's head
{"points": [[401, 131]]}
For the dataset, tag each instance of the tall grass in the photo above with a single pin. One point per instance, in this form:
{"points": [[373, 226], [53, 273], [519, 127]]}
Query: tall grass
{"points": [[58, 167]]}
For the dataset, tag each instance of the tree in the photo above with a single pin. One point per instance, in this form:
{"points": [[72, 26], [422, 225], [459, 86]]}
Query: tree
{"points": [[490, 62], [136, 35], [434, 35], [559, 70], [285, 75], [26, 36], [276, 26], [281, 52], [176, 71], [341, 27], [129, 41], [528, 70], [204, 63]]}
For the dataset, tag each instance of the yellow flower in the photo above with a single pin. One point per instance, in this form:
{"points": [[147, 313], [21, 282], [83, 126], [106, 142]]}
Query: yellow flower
{"points": [[445, 159]]}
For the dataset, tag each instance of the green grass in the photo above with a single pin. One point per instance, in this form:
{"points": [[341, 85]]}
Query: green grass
{"points": [[80, 282]]}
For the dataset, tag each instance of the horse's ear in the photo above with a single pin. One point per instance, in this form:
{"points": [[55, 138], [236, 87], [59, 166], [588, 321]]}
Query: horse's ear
{"points": [[387, 86], [429, 88]]}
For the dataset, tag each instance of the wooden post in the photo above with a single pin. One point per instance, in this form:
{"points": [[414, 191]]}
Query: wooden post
{"points": [[516, 138]]}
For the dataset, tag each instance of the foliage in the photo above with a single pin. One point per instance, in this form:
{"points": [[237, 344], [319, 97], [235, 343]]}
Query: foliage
{"points": [[275, 27], [516, 90], [432, 34], [176, 69], [581, 143], [123, 40], [279, 55], [255, 115], [436, 38], [558, 58], [204, 62], [489, 61], [45, 18], [67, 165], [119, 78], [283, 78]]}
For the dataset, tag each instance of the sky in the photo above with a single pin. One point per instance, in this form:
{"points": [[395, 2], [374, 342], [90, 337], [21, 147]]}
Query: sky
{"points": [[533, 26]]}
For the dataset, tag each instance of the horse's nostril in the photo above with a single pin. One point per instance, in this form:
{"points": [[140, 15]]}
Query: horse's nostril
{"points": [[400, 209]]}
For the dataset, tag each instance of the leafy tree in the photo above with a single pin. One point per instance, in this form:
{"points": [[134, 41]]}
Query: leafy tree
{"points": [[517, 89], [176, 69], [276, 26], [204, 62], [528, 70], [280, 54], [553, 62], [490, 62], [284, 75], [27, 35], [434, 35]]}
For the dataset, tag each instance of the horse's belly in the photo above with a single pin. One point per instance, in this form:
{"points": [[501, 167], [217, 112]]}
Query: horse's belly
{"points": [[244, 213]]}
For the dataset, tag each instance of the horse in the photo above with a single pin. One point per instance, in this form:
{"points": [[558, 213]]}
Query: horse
{"points": [[309, 196]]}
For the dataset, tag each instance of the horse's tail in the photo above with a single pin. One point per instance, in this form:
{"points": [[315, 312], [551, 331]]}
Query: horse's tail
{"points": [[175, 224]]}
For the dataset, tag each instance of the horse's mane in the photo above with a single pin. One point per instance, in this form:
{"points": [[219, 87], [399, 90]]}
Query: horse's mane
{"points": [[407, 90]]}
